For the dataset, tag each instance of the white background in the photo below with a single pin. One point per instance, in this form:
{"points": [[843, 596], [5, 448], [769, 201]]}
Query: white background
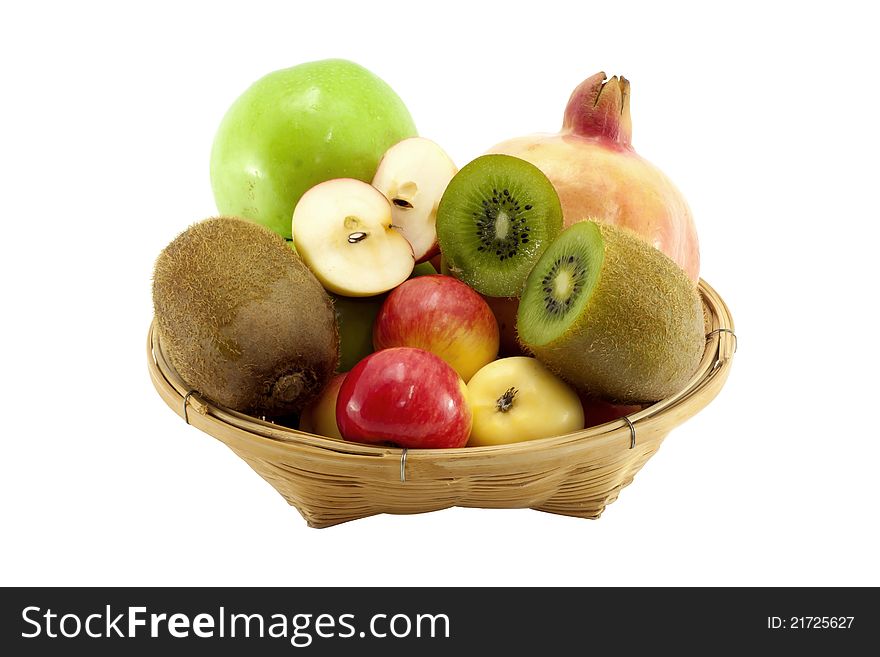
{"points": [[765, 115]]}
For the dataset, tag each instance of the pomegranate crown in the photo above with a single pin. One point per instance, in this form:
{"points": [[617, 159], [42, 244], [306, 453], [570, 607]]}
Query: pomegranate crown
{"points": [[599, 107]]}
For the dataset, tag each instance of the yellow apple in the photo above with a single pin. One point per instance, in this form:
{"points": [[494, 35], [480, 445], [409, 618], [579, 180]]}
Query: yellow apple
{"points": [[320, 417], [518, 398]]}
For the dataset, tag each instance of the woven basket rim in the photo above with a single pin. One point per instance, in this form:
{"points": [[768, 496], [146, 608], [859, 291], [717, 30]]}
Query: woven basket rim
{"points": [[696, 394]]}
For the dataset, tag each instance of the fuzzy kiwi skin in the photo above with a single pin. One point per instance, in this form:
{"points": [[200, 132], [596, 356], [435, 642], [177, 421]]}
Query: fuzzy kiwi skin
{"points": [[640, 337], [242, 319]]}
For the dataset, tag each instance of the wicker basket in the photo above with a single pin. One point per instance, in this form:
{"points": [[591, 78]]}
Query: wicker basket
{"points": [[332, 481]]}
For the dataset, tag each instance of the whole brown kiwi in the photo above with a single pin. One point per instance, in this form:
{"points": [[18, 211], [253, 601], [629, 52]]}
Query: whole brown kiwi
{"points": [[242, 319]]}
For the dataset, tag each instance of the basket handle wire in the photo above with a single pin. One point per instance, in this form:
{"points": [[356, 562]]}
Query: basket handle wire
{"points": [[632, 431], [186, 403], [723, 352], [724, 330]]}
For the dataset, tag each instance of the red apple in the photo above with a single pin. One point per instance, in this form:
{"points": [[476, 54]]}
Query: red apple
{"points": [[599, 411], [442, 315], [405, 396]]}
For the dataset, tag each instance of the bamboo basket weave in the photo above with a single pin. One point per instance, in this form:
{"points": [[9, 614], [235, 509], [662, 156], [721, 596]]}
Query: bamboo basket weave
{"points": [[332, 481]]}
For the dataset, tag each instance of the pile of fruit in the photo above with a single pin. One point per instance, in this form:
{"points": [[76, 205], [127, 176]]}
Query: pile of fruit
{"points": [[359, 286]]}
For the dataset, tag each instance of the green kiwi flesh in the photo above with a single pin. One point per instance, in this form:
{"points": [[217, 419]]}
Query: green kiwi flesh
{"points": [[496, 217], [242, 319], [612, 315]]}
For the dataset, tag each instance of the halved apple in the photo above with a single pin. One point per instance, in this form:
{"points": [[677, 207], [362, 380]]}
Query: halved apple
{"points": [[342, 229], [413, 174]]}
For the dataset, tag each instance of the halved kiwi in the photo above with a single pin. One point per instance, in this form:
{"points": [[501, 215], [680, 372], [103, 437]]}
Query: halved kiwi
{"points": [[497, 216], [612, 315]]}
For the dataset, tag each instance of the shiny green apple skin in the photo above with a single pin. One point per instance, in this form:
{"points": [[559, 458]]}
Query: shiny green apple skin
{"points": [[423, 269], [300, 126], [355, 317]]}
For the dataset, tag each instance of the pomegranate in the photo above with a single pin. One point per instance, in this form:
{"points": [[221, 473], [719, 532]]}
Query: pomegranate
{"points": [[598, 175], [504, 309]]}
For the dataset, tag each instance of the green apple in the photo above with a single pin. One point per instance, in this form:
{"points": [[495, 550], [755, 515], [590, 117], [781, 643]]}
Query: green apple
{"points": [[355, 317], [298, 127], [423, 269]]}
